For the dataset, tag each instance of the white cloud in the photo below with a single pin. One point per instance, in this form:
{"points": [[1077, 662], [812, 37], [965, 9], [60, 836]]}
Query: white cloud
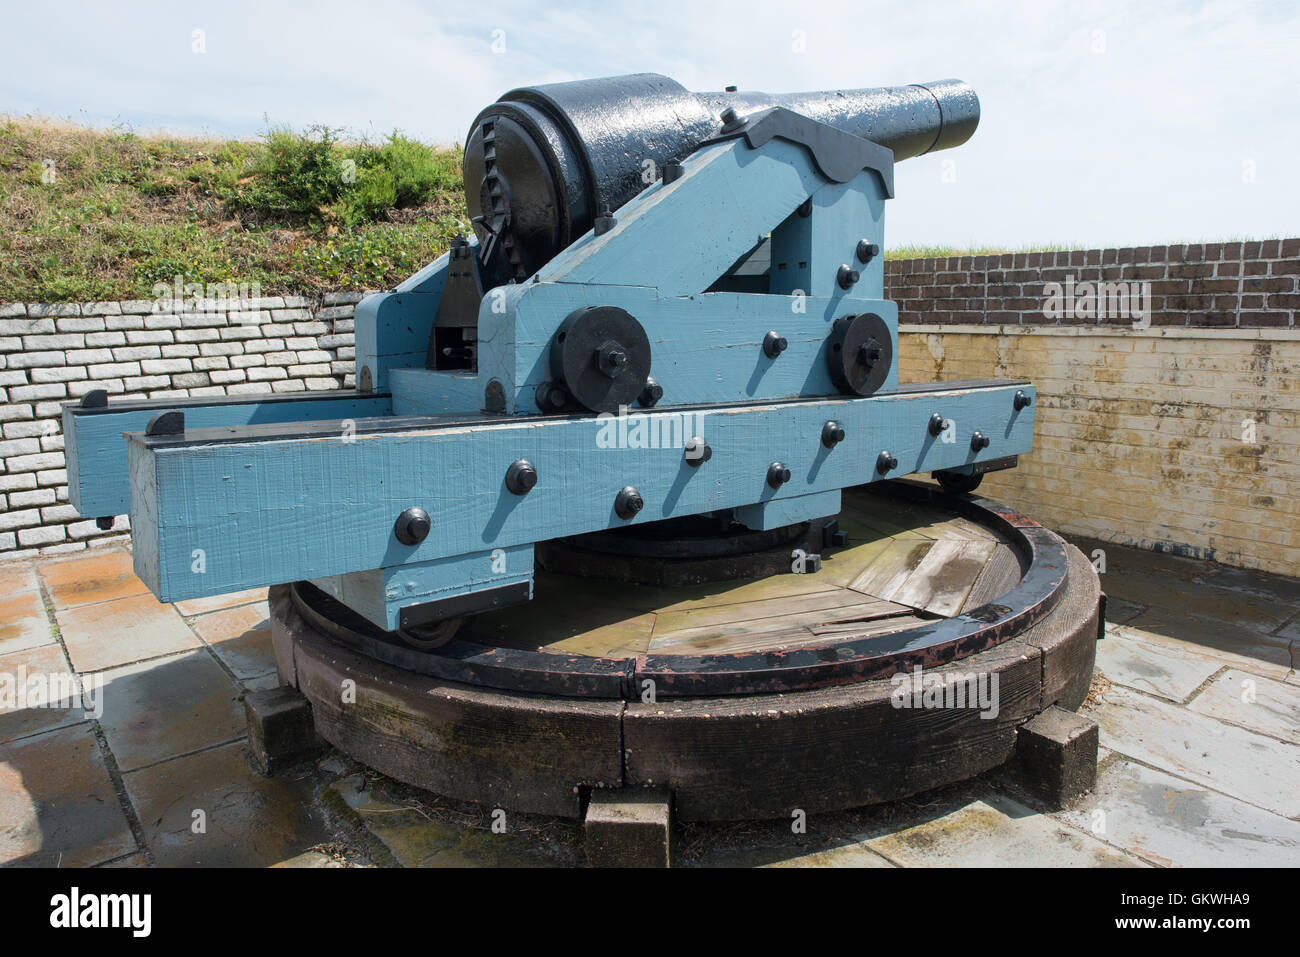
{"points": [[1103, 122]]}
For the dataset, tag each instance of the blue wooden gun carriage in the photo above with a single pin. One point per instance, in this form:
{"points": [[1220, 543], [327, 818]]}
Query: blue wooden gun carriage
{"points": [[672, 306]]}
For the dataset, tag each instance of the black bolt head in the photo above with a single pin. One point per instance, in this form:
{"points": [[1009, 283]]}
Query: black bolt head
{"points": [[628, 502], [651, 394], [869, 353], [412, 526], [777, 474], [937, 424], [832, 434], [867, 251], [774, 344], [886, 463], [521, 477], [1021, 400], [697, 452], [979, 441], [847, 276]]}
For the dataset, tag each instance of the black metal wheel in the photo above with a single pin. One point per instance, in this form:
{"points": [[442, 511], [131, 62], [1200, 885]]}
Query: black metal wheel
{"points": [[601, 356], [859, 353], [428, 637], [958, 483]]}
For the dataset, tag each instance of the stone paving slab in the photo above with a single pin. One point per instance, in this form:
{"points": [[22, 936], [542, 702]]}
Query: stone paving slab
{"points": [[1261, 704], [1234, 761], [165, 707], [1235, 645], [200, 606], [1156, 667], [98, 576], [1174, 823], [250, 821], [241, 638], [122, 631], [1185, 637], [57, 803], [997, 831], [23, 622], [22, 718]]}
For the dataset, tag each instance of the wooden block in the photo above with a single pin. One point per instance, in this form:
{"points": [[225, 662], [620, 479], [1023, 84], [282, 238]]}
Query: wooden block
{"points": [[1056, 755], [629, 828], [280, 730]]}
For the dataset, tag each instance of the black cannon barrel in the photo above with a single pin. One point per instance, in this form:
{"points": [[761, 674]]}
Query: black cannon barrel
{"points": [[543, 161]]}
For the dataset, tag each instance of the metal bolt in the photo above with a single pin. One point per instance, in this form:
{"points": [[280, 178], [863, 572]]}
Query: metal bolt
{"points": [[847, 276], [521, 477], [867, 251], [651, 394], [774, 345], [697, 452], [937, 424], [979, 441], [672, 172], [628, 502], [886, 463], [1021, 400], [777, 475], [832, 434], [412, 526], [604, 222], [869, 353]]}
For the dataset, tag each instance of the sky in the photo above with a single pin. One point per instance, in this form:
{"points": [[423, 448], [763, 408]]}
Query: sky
{"points": [[1103, 123]]}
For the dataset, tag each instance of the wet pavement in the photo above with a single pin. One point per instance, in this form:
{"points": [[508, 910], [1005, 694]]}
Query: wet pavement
{"points": [[1198, 701]]}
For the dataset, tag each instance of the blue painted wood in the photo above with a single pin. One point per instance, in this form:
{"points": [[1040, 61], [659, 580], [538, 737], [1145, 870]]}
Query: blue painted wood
{"points": [[705, 348], [380, 594], [392, 329], [683, 236], [262, 512], [426, 392], [779, 512], [96, 451], [807, 251]]}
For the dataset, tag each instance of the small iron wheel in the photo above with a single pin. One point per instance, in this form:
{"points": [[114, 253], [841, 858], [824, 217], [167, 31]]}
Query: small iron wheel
{"points": [[428, 637], [958, 483]]}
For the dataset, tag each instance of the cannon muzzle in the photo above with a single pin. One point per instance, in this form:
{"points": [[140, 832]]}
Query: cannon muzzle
{"points": [[543, 161]]}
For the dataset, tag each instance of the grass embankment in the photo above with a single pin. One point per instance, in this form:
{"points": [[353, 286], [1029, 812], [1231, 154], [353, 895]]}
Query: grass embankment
{"points": [[89, 215]]}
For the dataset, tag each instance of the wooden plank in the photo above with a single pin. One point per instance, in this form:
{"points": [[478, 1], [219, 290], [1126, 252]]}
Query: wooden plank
{"points": [[999, 575], [942, 579], [820, 603], [893, 566]]}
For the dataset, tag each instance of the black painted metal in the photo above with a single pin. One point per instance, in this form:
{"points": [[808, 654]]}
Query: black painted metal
{"points": [[543, 161], [1043, 562]]}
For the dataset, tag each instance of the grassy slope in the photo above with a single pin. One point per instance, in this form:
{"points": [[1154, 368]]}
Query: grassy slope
{"points": [[125, 211]]}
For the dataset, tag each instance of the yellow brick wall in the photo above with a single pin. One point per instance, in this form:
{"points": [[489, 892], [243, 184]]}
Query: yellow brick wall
{"points": [[1139, 434]]}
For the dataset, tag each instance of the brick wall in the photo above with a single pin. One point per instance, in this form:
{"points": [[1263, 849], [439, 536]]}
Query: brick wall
{"points": [[1141, 434], [1242, 285], [50, 354]]}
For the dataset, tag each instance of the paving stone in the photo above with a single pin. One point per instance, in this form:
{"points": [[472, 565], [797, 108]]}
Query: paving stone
{"points": [[1230, 642], [240, 637], [23, 622], [119, 632], [251, 821], [1126, 658], [97, 577], [1231, 760], [1261, 704], [1173, 823], [201, 606], [19, 722], [1234, 648], [997, 831], [1119, 611], [417, 840], [57, 804], [169, 706]]}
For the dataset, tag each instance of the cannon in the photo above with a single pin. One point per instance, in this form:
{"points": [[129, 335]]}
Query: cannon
{"points": [[659, 359]]}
